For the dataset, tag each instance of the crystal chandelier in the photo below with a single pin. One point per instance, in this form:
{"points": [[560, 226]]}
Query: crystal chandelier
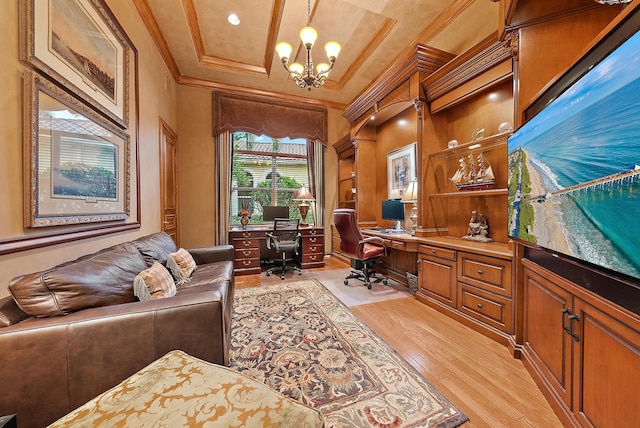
{"points": [[303, 75]]}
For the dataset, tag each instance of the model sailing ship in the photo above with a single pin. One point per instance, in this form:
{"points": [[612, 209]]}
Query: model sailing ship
{"points": [[473, 174]]}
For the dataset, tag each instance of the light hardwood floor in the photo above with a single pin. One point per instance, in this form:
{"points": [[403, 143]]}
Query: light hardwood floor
{"points": [[477, 374]]}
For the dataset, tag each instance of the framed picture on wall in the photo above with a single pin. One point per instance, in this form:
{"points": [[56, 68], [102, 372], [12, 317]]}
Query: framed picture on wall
{"points": [[76, 162], [401, 170], [79, 44]]}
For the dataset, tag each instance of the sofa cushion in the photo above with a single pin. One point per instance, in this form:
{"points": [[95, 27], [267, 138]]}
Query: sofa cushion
{"points": [[210, 273], [10, 313], [155, 247], [101, 280], [181, 265], [154, 283]]}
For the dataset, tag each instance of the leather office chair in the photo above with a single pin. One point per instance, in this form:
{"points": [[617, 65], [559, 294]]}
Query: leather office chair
{"points": [[364, 252], [285, 240]]}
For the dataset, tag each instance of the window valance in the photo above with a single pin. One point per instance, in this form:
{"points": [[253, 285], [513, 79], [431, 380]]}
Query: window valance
{"points": [[263, 115]]}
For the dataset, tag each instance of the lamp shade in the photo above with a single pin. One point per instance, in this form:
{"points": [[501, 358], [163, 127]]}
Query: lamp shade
{"points": [[333, 49], [411, 195], [308, 35], [284, 50], [304, 195]]}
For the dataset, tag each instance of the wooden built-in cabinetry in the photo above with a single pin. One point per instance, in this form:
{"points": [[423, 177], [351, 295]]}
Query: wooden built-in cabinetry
{"points": [[470, 282], [582, 350]]}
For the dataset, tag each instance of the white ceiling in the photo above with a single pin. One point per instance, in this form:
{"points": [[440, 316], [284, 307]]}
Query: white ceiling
{"points": [[202, 48]]}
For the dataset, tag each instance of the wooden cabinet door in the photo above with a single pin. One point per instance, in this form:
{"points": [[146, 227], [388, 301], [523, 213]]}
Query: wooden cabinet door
{"points": [[548, 346], [437, 279], [606, 368]]}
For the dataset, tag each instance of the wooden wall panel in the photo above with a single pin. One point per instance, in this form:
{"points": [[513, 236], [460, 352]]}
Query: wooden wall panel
{"points": [[395, 133], [550, 48]]}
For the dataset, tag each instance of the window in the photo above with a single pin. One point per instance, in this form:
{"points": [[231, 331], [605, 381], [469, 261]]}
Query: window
{"points": [[256, 161]]}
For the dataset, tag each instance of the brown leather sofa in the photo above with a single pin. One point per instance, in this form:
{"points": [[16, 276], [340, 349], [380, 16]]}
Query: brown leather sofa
{"points": [[90, 332]]}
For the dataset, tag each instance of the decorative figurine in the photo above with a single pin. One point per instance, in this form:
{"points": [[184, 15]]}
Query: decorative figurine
{"points": [[245, 215], [478, 228]]}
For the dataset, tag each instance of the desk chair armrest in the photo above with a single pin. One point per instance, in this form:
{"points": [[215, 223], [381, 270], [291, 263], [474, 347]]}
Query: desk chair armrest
{"points": [[373, 239]]}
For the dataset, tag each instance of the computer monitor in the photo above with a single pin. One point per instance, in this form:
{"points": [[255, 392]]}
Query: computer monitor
{"points": [[271, 212], [393, 209]]}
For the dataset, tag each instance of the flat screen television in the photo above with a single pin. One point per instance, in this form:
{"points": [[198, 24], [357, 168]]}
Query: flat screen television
{"points": [[272, 212], [574, 165], [393, 209]]}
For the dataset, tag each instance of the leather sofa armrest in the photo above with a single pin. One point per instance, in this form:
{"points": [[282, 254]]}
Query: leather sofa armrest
{"points": [[212, 254]]}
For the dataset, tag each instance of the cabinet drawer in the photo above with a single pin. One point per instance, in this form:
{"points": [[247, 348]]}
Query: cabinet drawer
{"points": [[249, 253], [485, 272], [484, 306], [437, 252], [243, 244]]}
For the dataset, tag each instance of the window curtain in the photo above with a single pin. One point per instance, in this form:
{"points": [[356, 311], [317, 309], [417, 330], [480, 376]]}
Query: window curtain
{"points": [[315, 161], [222, 186]]}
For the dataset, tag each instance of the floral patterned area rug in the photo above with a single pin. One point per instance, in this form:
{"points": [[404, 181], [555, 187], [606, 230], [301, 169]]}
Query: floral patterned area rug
{"points": [[299, 339]]}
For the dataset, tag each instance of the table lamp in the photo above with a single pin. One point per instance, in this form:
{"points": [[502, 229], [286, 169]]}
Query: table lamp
{"points": [[303, 195], [411, 196]]}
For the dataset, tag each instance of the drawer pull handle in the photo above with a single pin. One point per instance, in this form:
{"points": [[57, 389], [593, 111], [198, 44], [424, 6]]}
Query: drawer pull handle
{"points": [[480, 272], [433, 251], [313, 239], [246, 253], [480, 305], [246, 262], [312, 257], [247, 243], [313, 249]]}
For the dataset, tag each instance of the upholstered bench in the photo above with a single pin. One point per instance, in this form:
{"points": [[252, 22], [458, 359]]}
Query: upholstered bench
{"points": [[179, 390]]}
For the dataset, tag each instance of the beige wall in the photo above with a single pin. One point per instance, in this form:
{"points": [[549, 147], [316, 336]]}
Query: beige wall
{"points": [[157, 99]]}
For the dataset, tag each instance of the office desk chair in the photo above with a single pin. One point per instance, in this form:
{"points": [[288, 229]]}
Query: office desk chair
{"points": [[363, 252], [285, 240]]}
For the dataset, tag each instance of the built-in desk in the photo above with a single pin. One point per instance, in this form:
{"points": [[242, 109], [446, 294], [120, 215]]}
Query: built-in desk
{"points": [[402, 256], [250, 246]]}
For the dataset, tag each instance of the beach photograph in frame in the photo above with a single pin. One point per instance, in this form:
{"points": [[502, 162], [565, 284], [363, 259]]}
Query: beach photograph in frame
{"points": [[79, 44], [574, 168], [401, 170], [76, 163]]}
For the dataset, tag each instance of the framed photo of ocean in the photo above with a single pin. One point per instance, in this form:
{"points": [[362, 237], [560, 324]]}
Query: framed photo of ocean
{"points": [[79, 44], [76, 162]]}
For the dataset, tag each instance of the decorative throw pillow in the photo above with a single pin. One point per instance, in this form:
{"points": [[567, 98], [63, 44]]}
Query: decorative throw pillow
{"points": [[181, 265], [154, 283]]}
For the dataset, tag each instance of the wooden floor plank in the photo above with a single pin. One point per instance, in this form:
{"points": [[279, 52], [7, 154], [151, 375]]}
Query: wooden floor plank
{"points": [[476, 373]]}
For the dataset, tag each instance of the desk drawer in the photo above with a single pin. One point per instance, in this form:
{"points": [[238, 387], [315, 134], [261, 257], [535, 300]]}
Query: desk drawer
{"points": [[311, 232], [312, 260], [246, 263], [443, 253], [249, 253], [240, 234], [313, 249], [243, 244], [397, 245], [315, 239]]}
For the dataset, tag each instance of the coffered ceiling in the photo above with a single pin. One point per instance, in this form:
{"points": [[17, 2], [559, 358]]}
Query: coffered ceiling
{"points": [[202, 48]]}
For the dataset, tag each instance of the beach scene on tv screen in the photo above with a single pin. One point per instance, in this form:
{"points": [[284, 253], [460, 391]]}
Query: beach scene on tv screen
{"points": [[574, 168]]}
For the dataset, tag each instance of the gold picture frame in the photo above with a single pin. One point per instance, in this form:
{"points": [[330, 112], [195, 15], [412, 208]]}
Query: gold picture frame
{"points": [[401, 170], [79, 44], [76, 163]]}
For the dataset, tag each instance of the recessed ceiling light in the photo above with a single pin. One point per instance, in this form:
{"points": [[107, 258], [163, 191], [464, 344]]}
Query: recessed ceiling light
{"points": [[233, 19]]}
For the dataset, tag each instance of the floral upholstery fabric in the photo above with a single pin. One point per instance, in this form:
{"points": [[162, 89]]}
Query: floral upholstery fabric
{"points": [[179, 390]]}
